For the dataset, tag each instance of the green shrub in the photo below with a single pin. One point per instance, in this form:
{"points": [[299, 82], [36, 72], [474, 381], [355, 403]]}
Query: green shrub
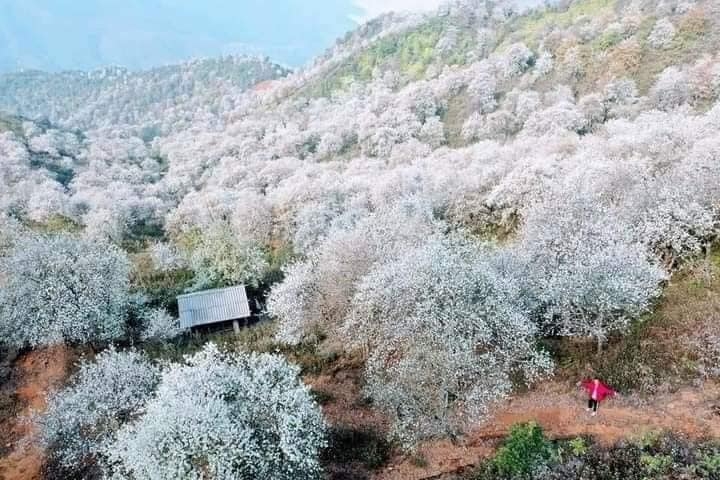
{"points": [[656, 464], [578, 446], [709, 465], [409, 52], [525, 449], [609, 40], [654, 456]]}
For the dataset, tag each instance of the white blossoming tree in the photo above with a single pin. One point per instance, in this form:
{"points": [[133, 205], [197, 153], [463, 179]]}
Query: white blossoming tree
{"points": [[662, 34], [241, 416], [158, 326], [82, 417], [445, 334], [62, 288], [316, 293], [516, 60], [589, 277], [671, 89], [219, 258]]}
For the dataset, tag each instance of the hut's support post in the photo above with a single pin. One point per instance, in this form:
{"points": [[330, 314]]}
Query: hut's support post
{"points": [[236, 327]]}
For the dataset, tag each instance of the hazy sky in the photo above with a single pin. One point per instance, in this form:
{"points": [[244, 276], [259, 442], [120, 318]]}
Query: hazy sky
{"points": [[86, 34]]}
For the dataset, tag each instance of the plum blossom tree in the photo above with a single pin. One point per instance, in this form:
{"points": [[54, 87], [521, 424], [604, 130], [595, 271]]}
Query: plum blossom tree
{"points": [[620, 97], [294, 302], [482, 87], [223, 415], [62, 288], [220, 258], [676, 213], [432, 132], [82, 418], [158, 326], [316, 294], [330, 144], [561, 116], [544, 64], [671, 89], [662, 34], [10, 232], [473, 126], [445, 333], [588, 276], [516, 60], [704, 79], [593, 109], [165, 257]]}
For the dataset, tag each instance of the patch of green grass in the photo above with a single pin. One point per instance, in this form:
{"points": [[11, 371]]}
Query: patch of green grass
{"points": [[409, 53], [525, 449], [141, 234], [664, 455], [531, 28], [656, 465], [709, 464], [693, 38], [578, 446], [56, 224], [607, 40], [161, 287]]}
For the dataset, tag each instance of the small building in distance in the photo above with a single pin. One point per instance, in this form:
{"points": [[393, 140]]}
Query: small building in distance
{"points": [[213, 307]]}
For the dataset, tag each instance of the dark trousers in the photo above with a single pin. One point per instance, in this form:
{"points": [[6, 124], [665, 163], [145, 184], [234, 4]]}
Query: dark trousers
{"points": [[593, 404]]}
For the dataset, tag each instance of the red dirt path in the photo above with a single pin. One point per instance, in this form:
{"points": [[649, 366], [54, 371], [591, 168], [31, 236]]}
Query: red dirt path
{"points": [[39, 372], [690, 411]]}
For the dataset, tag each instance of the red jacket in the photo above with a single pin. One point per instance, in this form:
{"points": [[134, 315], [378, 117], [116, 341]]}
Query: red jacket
{"points": [[603, 391]]}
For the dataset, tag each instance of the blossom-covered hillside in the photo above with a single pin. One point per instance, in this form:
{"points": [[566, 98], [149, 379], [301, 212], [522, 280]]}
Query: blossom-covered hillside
{"points": [[144, 100], [444, 201]]}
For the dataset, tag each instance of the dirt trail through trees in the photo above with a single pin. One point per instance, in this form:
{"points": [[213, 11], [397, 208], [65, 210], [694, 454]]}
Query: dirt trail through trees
{"points": [[691, 411], [37, 372]]}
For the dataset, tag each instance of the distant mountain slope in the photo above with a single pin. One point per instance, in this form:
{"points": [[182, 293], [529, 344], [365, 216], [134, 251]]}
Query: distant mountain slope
{"points": [[591, 40], [55, 35], [115, 96]]}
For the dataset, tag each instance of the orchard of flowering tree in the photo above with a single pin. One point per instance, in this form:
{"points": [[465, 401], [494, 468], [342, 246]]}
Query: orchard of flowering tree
{"points": [[435, 200]]}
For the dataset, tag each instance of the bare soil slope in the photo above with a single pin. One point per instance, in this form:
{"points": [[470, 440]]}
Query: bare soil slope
{"points": [[37, 373]]}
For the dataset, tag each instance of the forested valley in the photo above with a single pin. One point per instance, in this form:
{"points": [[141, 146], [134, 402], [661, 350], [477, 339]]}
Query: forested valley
{"points": [[442, 224]]}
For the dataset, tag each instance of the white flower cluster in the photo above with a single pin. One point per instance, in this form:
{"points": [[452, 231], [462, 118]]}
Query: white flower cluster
{"points": [[445, 333], [61, 288], [216, 415], [159, 325], [662, 34], [243, 416], [82, 418]]}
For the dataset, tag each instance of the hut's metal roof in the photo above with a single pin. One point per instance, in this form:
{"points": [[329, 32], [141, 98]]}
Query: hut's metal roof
{"points": [[213, 306]]}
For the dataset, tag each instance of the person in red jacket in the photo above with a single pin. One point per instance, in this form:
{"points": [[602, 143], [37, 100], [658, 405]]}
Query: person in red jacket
{"points": [[597, 391]]}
